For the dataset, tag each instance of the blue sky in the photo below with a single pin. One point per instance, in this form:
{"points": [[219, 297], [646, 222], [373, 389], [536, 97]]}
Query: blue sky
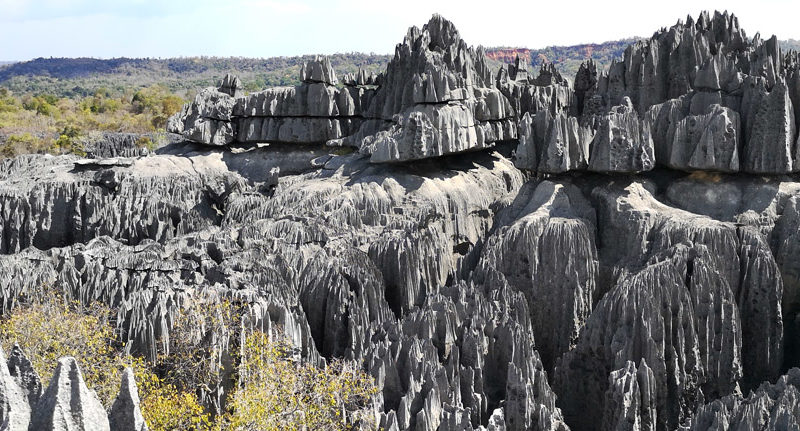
{"points": [[265, 28]]}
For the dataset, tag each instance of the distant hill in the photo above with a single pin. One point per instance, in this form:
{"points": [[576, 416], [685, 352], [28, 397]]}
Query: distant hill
{"points": [[75, 77], [66, 77], [569, 58], [566, 58]]}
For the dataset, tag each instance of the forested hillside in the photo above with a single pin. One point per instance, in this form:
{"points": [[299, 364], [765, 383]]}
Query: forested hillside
{"points": [[81, 77], [69, 77]]}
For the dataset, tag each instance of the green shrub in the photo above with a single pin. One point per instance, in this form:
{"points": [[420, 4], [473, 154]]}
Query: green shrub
{"points": [[41, 105], [146, 142], [51, 327], [24, 143], [7, 102]]}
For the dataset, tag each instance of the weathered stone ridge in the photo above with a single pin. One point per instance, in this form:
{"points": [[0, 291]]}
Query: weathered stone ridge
{"points": [[66, 403], [698, 96], [498, 250]]}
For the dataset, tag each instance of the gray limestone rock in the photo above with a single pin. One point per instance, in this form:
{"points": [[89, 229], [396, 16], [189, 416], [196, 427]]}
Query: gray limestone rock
{"points": [[427, 131], [622, 143], [546, 92], [676, 60], [705, 63], [21, 370], [473, 292], [109, 144], [15, 412], [544, 244], [125, 414], [633, 323], [769, 128], [231, 85], [313, 112], [151, 198], [68, 404], [707, 142], [585, 84], [630, 399], [318, 70], [307, 100], [771, 407], [712, 299], [552, 144], [360, 79], [294, 130], [438, 98], [207, 120]]}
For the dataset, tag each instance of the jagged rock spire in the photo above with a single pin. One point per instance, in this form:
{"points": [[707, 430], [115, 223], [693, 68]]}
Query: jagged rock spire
{"points": [[68, 404], [231, 85], [24, 375], [318, 70], [15, 412], [125, 413]]}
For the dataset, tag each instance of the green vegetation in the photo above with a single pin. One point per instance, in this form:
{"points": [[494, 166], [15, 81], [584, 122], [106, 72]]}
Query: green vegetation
{"points": [[271, 389], [50, 327], [277, 393], [45, 123], [53, 327], [82, 77], [51, 105]]}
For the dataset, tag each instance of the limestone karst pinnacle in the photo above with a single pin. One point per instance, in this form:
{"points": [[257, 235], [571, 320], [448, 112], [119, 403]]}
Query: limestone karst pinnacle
{"points": [[717, 100], [500, 249]]}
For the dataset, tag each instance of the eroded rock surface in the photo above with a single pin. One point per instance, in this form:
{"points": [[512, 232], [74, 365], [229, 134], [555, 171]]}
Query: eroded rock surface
{"points": [[499, 250]]}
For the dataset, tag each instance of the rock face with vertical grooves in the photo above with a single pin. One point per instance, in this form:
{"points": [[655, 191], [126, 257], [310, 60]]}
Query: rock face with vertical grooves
{"points": [[15, 410], [622, 142], [772, 406], [707, 141], [711, 99], [438, 97], [545, 247], [630, 401], [125, 413], [694, 278], [68, 404], [499, 250], [311, 113], [553, 144]]}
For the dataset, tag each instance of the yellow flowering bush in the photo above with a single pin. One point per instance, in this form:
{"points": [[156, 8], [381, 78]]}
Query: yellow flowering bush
{"points": [[50, 327], [165, 407], [273, 390], [278, 393]]}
